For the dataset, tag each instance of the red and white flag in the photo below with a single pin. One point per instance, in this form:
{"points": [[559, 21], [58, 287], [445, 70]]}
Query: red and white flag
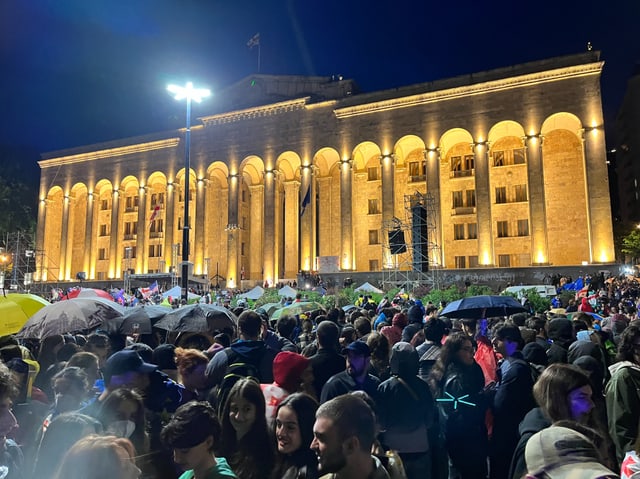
{"points": [[153, 215]]}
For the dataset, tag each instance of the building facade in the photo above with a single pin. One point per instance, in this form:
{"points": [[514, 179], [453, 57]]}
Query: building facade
{"points": [[296, 172]]}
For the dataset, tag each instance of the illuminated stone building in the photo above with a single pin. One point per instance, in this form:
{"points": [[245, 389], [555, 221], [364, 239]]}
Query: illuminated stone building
{"points": [[291, 169]]}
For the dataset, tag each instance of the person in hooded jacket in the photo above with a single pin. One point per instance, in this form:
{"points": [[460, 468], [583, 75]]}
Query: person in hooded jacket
{"points": [[414, 317], [406, 411], [560, 332], [623, 393]]}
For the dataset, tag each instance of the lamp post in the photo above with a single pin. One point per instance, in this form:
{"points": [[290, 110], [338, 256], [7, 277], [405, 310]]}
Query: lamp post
{"points": [[189, 93]]}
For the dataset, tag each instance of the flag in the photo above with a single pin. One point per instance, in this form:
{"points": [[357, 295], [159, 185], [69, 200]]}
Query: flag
{"points": [[305, 201], [254, 41], [153, 215], [152, 289]]}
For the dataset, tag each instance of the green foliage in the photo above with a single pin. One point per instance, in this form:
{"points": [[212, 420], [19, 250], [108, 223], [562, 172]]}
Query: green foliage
{"points": [[478, 290], [565, 296], [452, 293], [631, 243], [537, 302], [270, 296]]}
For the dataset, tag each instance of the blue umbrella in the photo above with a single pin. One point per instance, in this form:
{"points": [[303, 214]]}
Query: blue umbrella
{"points": [[485, 306]]}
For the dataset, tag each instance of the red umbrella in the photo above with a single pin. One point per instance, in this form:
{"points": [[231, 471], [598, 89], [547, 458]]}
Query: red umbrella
{"points": [[87, 293]]}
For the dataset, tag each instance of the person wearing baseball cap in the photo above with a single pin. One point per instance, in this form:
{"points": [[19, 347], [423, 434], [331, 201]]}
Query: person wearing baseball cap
{"points": [[356, 377]]}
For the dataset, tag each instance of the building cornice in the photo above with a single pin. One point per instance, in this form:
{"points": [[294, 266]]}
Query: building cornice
{"points": [[109, 153], [471, 90], [255, 112]]}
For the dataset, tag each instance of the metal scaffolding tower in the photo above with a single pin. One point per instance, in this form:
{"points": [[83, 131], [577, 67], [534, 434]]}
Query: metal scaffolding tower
{"points": [[411, 255], [17, 262]]}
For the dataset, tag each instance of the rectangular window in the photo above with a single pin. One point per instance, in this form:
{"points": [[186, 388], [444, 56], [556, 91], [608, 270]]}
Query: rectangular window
{"points": [[457, 199], [458, 232], [129, 203], [518, 156], [523, 227], [417, 170], [456, 163], [179, 222], [473, 261], [504, 261], [469, 162], [134, 227], [152, 227], [127, 229], [498, 158], [472, 231], [374, 237], [244, 196], [520, 192], [102, 253], [242, 249], [471, 198], [461, 262], [103, 230], [154, 200], [101, 275], [104, 205], [374, 265], [372, 173], [501, 194], [374, 208], [503, 229], [159, 226], [136, 201]]}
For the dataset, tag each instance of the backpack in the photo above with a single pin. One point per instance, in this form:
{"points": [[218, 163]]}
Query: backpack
{"points": [[535, 373], [236, 370]]}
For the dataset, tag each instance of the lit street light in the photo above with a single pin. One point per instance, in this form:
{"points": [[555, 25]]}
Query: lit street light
{"points": [[189, 93]]}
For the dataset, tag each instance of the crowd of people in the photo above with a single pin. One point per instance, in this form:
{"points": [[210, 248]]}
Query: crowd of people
{"points": [[392, 391]]}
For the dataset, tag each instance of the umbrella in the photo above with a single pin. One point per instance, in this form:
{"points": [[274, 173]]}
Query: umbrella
{"points": [[269, 308], [144, 316], [287, 291], [16, 309], [297, 308], [71, 316], [484, 306], [198, 318], [176, 292], [87, 293], [254, 294], [368, 288]]}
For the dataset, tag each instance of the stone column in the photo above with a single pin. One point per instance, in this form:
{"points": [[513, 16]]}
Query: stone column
{"points": [[256, 214], [114, 254], [42, 218], [269, 226], [142, 233], [598, 208], [432, 157], [65, 252], [387, 166], [306, 217], [346, 221], [291, 221], [537, 205], [483, 204], [325, 231], [233, 232], [198, 234], [169, 226], [88, 237]]}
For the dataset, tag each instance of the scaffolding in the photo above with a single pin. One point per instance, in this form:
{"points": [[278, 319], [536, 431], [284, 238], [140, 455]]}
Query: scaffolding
{"points": [[410, 252], [17, 262]]}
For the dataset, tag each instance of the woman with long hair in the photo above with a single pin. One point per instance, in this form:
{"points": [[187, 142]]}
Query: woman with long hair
{"points": [[294, 432], [122, 414], [246, 443], [562, 392], [99, 457], [457, 381]]}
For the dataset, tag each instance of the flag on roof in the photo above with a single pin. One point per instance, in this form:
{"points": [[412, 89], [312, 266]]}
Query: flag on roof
{"points": [[254, 41]]}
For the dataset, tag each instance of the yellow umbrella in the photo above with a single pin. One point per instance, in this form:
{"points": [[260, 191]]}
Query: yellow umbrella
{"points": [[16, 309]]}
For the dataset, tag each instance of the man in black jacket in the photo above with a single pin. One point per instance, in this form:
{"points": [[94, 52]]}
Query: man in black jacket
{"points": [[327, 361]]}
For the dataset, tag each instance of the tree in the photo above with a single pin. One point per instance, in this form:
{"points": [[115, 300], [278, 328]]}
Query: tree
{"points": [[631, 244]]}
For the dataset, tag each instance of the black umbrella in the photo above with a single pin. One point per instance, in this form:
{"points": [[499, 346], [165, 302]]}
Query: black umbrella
{"points": [[144, 317], [486, 306], [199, 318]]}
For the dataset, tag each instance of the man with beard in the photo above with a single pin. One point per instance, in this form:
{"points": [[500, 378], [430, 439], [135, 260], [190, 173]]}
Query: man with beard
{"points": [[356, 377], [343, 434]]}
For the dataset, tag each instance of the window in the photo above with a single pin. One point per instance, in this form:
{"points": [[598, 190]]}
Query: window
{"points": [[503, 229], [374, 237], [372, 173], [457, 199], [157, 199], [469, 163], [471, 198], [461, 262], [101, 275], [155, 250], [374, 208], [523, 227], [498, 158], [128, 230], [473, 261], [374, 265], [103, 230], [472, 231], [244, 196], [104, 205], [501, 194], [129, 203], [242, 249], [244, 222], [102, 253], [509, 157], [129, 252], [458, 232], [180, 222], [417, 170], [159, 226], [456, 163], [520, 192], [504, 261], [462, 166], [518, 156]]}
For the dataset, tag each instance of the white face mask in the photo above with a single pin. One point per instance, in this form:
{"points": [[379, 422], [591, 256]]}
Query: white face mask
{"points": [[122, 428]]}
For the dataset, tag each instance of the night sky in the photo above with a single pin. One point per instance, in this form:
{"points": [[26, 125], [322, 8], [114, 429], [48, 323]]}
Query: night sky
{"points": [[76, 72]]}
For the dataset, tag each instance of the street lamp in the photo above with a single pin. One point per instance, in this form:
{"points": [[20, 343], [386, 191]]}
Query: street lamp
{"points": [[189, 93]]}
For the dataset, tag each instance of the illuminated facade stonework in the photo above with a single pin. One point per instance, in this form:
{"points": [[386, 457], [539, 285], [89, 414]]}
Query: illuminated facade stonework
{"points": [[514, 159]]}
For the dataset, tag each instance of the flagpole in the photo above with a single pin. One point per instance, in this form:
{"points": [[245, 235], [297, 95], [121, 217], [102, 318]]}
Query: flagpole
{"points": [[259, 48]]}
